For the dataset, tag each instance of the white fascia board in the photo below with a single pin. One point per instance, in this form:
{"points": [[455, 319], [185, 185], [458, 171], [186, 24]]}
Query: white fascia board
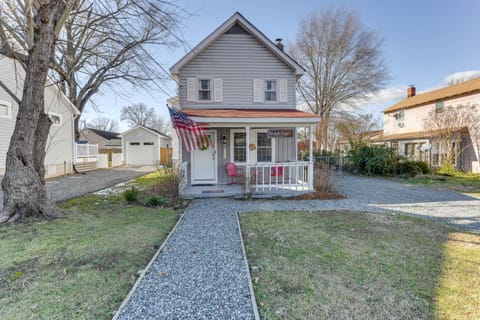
{"points": [[247, 122]]}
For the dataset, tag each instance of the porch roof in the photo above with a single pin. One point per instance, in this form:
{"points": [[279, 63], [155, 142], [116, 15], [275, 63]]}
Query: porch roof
{"points": [[286, 116], [416, 135]]}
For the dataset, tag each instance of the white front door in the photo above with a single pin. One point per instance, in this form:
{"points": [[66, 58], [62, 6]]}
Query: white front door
{"points": [[204, 163]]}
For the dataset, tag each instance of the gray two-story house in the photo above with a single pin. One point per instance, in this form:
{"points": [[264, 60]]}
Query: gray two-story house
{"points": [[241, 85]]}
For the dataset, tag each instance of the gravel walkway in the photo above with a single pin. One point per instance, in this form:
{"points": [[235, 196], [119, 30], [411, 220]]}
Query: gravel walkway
{"points": [[381, 195], [63, 188], [200, 273]]}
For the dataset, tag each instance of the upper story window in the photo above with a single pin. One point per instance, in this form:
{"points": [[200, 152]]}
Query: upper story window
{"points": [[270, 90], [5, 110], [438, 106], [204, 90], [55, 118], [400, 116]]}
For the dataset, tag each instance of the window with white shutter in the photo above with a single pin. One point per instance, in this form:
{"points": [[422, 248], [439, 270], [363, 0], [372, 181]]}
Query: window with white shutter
{"points": [[283, 90], [258, 90], [191, 90], [217, 90]]}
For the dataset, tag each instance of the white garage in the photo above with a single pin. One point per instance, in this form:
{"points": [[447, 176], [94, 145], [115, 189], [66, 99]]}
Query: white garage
{"points": [[142, 146]]}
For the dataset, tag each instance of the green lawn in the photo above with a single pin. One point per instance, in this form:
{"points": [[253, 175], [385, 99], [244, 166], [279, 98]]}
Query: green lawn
{"points": [[351, 265], [461, 182], [81, 265]]}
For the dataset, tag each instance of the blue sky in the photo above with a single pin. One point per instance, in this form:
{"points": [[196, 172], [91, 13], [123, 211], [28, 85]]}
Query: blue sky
{"points": [[424, 41]]}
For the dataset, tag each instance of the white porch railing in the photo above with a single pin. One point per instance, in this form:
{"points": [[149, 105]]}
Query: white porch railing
{"points": [[284, 176], [182, 176]]}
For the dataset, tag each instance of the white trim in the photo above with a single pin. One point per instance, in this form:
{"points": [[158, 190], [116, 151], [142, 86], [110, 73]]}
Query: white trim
{"points": [[144, 128], [251, 136], [9, 109], [242, 121], [249, 27], [255, 140], [55, 115]]}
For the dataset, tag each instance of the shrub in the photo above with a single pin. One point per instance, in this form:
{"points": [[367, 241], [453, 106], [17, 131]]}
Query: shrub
{"points": [[372, 160], [130, 194], [322, 178], [167, 184], [408, 168], [154, 201], [423, 166]]}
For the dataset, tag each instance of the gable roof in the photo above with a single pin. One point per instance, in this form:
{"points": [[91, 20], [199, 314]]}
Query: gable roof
{"points": [[237, 18], [460, 89], [154, 131], [109, 135]]}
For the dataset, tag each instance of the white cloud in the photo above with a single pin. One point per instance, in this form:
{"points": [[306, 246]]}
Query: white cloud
{"points": [[462, 76]]}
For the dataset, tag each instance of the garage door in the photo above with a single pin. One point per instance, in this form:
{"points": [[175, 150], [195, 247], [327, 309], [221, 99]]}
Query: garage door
{"points": [[141, 153]]}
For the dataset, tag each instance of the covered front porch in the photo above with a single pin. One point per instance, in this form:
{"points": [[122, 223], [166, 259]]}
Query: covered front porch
{"points": [[253, 152]]}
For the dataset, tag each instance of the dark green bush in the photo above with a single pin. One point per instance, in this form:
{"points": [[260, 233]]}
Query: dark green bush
{"points": [[130, 194], [154, 201], [408, 168], [372, 160], [423, 166]]}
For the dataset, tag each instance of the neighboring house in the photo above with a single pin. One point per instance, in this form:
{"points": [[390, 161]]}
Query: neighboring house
{"points": [[61, 142], [405, 123], [242, 86], [144, 146], [106, 140]]}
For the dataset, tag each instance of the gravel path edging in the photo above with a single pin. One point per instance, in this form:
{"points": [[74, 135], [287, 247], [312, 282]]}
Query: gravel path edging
{"points": [[144, 272], [250, 284]]}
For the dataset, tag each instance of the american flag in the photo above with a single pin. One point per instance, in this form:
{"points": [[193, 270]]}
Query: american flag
{"points": [[192, 134]]}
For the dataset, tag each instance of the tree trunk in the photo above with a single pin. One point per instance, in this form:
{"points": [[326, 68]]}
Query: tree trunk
{"points": [[24, 181]]}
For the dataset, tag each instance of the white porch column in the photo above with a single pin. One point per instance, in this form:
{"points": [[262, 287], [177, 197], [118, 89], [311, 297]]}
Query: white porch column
{"points": [[310, 165], [247, 142]]}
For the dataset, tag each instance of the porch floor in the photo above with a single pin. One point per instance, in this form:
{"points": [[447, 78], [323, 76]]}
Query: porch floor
{"points": [[235, 190]]}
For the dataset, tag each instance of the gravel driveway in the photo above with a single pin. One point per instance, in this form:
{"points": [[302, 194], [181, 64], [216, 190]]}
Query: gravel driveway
{"points": [[381, 195], [63, 188]]}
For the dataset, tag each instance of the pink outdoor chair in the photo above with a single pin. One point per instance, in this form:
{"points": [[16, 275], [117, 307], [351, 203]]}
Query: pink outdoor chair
{"points": [[233, 171]]}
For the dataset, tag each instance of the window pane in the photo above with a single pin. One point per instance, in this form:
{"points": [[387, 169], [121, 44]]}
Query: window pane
{"points": [[239, 147], [204, 95], [205, 84], [270, 90], [264, 147]]}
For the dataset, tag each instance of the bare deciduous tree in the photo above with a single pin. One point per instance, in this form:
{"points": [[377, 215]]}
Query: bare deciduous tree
{"points": [[24, 184], [104, 123], [141, 114], [343, 62], [356, 129], [449, 126], [84, 45]]}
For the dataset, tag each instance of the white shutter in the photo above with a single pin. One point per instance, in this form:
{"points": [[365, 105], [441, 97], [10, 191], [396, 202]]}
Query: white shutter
{"points": [[217, 90], [191, 89], [283, 90], [257, 90]]}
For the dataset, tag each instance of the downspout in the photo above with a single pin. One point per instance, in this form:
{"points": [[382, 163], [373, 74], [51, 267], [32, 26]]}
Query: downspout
{"points": [[74, 149]]}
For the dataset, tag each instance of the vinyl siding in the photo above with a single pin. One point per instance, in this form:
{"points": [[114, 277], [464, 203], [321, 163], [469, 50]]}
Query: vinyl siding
{"points": [[60, 144], [237, 59]]}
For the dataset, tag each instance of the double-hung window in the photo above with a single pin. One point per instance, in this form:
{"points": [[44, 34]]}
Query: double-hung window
{"points": [[270, 90], [438, 106], [264, 147], [204, 90], [239, 146]]}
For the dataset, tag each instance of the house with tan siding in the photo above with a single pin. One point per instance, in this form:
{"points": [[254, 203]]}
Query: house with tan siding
{"points": [[405, 125], [60, 155], [241, 85]]}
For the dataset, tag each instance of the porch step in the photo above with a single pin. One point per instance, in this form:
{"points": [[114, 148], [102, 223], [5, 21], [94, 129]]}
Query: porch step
{"points": [[86, 166]]}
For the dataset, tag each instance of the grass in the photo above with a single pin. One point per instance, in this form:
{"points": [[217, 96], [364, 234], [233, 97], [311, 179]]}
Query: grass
{"points": [[351, 265], [458, 181], [81, 265]]}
